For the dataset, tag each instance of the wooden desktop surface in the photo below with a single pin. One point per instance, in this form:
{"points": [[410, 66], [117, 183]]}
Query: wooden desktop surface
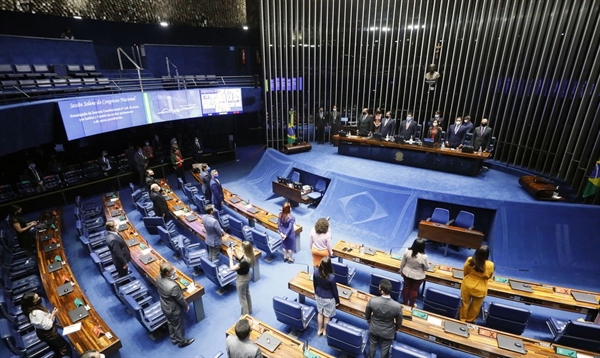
{"points": [[152, 270], [84, 339], [289, 347], [481, 341], [262, 216], [290, 193], [543, 295], [452, 235]]}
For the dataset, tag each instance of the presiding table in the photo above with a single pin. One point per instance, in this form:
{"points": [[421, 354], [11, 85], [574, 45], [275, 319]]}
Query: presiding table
{"points": [[84, 339], [293, 195], [450, 235], [446, 160], [192, 293], [543, 295]]}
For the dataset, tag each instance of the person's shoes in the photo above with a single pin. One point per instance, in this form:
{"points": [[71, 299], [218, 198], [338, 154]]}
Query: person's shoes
{"points": [[174, 343], [285, 259], [186, 343], [290, 261]]}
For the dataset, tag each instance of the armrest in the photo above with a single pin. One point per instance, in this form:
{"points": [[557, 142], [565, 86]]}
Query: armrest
{"points": [[428, 219], [471, 227], [193, 246], [450, 222]]}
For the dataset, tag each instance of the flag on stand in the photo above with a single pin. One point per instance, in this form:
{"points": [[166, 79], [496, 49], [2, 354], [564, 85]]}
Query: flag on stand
{"points": [[593, 181], [291, 131]]}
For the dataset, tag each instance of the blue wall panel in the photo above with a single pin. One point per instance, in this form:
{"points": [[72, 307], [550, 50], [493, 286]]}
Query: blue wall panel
{"points": [[31, 50]]}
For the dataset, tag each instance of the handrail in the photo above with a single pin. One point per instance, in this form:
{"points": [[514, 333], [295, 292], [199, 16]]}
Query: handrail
{"points": [[138, 68], [176, 71]]}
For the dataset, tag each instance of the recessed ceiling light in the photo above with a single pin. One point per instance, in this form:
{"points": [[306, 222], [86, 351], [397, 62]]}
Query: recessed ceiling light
{"points": [[77, 17], [245, 27], [164, 24]]}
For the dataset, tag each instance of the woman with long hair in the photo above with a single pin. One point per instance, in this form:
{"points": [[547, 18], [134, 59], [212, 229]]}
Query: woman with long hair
{"points": [[43, 322], [177, 162], [326, 294], [285, 224], [320, 241], [244, 262], [413, 267], [477, 270], [21, 227]]}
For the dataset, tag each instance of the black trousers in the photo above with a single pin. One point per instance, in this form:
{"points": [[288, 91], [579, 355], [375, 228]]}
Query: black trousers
{"points": [[180, 173], [320, 135], [55, 341]]}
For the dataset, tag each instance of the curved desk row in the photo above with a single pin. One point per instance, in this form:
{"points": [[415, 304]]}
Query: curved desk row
{"points": [[58, 280], [192, 291], [541, 295]]}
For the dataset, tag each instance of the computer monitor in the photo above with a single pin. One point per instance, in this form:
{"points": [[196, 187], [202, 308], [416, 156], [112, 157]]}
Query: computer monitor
{"points": [[377, 136], [344, 120], [297, 185], [282, 180], [399, 138]]}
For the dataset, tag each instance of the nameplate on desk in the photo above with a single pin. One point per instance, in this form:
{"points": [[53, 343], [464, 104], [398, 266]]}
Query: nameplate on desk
{"points": [[566, 352], [500, 279], [419, 314], [184, 282]]}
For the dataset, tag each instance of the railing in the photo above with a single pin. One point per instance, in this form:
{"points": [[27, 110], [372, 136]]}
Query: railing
{"points": [[138, 68]]}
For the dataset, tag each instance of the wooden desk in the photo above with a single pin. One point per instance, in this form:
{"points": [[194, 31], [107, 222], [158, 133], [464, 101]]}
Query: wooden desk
{"points": [[84, 339], [294, 195], [194, 291], [432, 329], [263, 217], [197, 228], [542, 295], [451, 235], [289, 347]]}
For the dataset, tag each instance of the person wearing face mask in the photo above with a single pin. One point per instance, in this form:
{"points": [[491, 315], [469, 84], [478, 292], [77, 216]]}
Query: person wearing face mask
{"points": [[377, 120], [159, 152], [482, 136], [173, 305], [437, 115], [435, 132], [320, 122], [456, 134], [334, 122], [118, 249], [150, 179], [44, 323], [365, 124], [214, 232], [148, 150], [21, 226], [468, 124], [141, 163], [408, 127], [388, 126], [177, 162], [105, 163], [35, 177], [197, 150], [205, 177], [216, 190]]}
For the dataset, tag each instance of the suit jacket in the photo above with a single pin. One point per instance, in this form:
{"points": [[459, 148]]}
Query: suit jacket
{"points": [[320, 120], [482, 140], [334, 118], [384, 316], [438, 134], [32, 177], [456, 139], [241, 349], [388, 126], [469, 126], [118, 249], [216, 191], [160, 204], [140, 161], [205, 176], [412, 130], [171, 297], [365, 125], [150, 181], [214, 231]]}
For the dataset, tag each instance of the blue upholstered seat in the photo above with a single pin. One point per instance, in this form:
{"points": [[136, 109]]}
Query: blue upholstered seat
{"points": [[266, 243], [441, 302], [506, 318], [223, 219], [236, 227], [294, 314], [27, 344], [401, 350], [440, 216], [465, 220], [190, 253], [396, 286], [343, 273], [346, 337], [127, 285], [150, 316], [317, 194], [581, 335], [220, 275]]}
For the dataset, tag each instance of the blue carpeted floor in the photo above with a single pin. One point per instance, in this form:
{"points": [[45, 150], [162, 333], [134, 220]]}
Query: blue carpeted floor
{"points": [[367, 201]]}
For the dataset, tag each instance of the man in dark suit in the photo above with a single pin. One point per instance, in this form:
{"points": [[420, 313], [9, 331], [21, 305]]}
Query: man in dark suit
{"points": [[388, 125], [205, 177], [214, 233], [384, 316], [334, 120], [320, 123], [239, 345], [482, 136], [216, 190], [159, 201], [436, 116], [141, 162], [197, 150], [150, 179], [468, 124], [118, 249], [456, 134], [35, 178], [173, 305], [408, 127], [365, 124]]}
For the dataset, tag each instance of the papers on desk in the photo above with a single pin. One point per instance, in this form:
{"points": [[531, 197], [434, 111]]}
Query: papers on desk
{"points": [[114, 199], [146, 252], [178, 212], [191, 288], [434, 320], [72, 329]]}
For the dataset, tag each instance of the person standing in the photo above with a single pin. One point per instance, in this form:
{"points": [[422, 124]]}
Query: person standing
{"points": [[130, 154], [242, 268], [320, 122], [320, 241], [326, 294], [384, 316], [408, 127], [34, 176], [177, 162], [205, 177], [150, 179], [118, 249], [105, 164], [159, 152], [377, 121], [197, 150], [45, 326], [468, 124], [437, 115], [21, 226], [388, 126], [413, 267], [365, 124], [148, 150], [216, 190], [159, 202], [334, 121], [214, 233], [173, 305], [482, 136], [477, 270], [435, 132], [456, 134], [238, 345], [141, 163], [285, 225]]}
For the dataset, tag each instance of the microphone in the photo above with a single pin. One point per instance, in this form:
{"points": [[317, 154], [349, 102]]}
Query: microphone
{"points": [[396, 256], [307, 268]]}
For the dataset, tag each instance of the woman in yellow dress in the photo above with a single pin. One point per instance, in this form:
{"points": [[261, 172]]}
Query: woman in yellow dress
{"points": [[478, 270]]}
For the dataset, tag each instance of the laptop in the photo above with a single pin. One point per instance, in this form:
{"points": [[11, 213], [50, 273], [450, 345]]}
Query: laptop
{"points": [[252, 210], [191, 217], [146, 259], [234, 200], [115, 212], [460, 329], [110, 203], [48, 248], [132, 242], [460, 274], [109, 195], [268, 342], [370, 251], [520, 286], [431, 267], [45, 238], [511, 344], [54, 267], [584, 297], [273, 220], [78, 313], [167, 197], [178, 207], [344, 292], [64, 289], [50, 221]]}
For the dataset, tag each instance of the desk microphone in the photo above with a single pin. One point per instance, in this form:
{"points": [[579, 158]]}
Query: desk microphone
{"points": [[397, 257], [304, 264]]}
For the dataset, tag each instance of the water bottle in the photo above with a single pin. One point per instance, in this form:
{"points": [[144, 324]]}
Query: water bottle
{"points": [[479, 151], [362, 249], [443, 146]]}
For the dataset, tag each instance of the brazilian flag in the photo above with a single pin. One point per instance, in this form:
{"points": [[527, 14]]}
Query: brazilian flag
{"points": [[291, 131], [593, 181]]}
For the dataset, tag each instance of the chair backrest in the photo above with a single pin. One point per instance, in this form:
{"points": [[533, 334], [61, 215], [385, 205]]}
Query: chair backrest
{"points": [[295, 177], [440, 216], [401, 350], [507, 318], [134, 306], [200, 202], [341, 272], [465, 219], [223, 219], [289, 312], [582, 335], [320, 186], [260, 238], [210, 269], [374, 285], [440, 302], [236, 227], [346, 337]]}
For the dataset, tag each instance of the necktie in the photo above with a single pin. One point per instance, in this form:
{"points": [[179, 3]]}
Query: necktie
{"points": [[37, 176], [482, 129], [456, 129]]}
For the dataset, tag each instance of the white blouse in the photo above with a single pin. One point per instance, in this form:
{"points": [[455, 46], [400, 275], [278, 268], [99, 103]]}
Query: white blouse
{"points": [[41, 320], [414, 267]]}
